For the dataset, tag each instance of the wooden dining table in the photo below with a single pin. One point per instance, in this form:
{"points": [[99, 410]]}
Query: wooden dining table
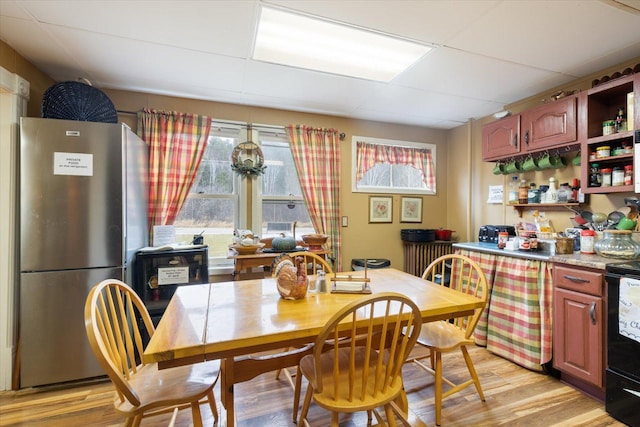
{"points": [[240, 322]]}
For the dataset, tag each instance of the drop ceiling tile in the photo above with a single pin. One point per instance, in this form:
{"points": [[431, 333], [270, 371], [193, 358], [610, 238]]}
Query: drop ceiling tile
{"points": [[304, 85], [551, 35], [447, 70], [224, 27], [130, 60], [432, 21]]}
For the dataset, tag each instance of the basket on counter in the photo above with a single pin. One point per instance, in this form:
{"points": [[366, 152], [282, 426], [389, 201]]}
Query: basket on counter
{"points": [[78, 101]]}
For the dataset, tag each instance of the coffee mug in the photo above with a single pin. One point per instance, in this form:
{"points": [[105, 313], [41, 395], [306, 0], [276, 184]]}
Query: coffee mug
{"points": [[577, 160], [544, 162], [560, 162], [498, 169], [548, 161], [513, 167], [530, 164]]}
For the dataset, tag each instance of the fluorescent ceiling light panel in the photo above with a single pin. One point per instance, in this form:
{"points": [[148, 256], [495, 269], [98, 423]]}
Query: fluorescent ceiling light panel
{"points": [[315, 44]]}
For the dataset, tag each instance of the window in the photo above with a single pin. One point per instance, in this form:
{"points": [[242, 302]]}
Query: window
{"points": [[212, 205], [390, 166], [281, 198]]}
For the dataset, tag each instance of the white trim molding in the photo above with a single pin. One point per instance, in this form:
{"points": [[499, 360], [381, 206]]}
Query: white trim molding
{"points": [[14, 95]]}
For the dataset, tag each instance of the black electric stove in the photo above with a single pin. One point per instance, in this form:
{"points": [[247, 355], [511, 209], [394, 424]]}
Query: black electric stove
{"points": [[623, 342]]}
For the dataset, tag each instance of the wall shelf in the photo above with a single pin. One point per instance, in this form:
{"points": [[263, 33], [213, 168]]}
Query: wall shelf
{"points": [[543, 206]]}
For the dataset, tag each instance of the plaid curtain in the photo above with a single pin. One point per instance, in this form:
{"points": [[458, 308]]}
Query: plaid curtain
{"points": [[316, 154], [177, 142], [370, 154]]}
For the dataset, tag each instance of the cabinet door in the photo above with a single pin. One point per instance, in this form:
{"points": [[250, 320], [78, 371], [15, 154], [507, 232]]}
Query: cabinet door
{"points": [[578, 335], [550, 125], [501, 138]]}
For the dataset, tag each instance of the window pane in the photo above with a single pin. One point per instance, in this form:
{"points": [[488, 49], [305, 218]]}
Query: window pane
{"points": [[212, 201], [214, 174], [280, 177], [213, 216], [377, 176], [277, 218], [406, 177], [396, 174]]}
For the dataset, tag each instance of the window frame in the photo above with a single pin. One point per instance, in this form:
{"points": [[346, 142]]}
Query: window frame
{"points": [[260, 132], [221, 264], [394, 143]]}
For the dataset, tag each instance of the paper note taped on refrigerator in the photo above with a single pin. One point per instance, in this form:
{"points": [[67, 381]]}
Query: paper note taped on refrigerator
{"points": [[629, 308]]}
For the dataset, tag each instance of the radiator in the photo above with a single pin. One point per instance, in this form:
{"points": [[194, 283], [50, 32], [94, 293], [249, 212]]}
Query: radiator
{"points": [[417, 256]]}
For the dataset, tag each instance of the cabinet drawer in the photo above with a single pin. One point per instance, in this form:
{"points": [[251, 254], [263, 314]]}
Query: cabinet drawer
{"points": [[589, 282]]}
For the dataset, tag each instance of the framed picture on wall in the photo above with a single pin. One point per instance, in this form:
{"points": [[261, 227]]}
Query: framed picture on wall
{"points": [[380, 209], [411, 209]]}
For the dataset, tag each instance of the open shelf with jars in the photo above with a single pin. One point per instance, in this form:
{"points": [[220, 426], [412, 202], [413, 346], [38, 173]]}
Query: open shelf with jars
{"points": [[520, 207], [610, 143]]}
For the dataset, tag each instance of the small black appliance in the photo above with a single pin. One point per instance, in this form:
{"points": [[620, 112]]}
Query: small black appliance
{"points": [[489, 233]]}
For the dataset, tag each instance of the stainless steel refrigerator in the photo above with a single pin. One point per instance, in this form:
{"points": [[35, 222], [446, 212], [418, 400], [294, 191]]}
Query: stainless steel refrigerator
{"points": [[83, 215]]}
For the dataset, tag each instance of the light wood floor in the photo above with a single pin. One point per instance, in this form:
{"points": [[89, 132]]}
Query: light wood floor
{"points": [[514, 397]]}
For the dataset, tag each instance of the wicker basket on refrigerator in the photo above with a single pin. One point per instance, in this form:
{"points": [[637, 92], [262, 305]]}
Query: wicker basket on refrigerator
{"points": [[72, 100]]}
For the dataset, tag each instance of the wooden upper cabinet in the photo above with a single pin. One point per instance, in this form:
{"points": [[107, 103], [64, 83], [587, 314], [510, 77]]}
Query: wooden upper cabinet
{"points": [[501, 138], [550, 125]]}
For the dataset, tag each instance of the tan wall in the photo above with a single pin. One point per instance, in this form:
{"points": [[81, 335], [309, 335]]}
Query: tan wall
{"points": [[39, 82]]}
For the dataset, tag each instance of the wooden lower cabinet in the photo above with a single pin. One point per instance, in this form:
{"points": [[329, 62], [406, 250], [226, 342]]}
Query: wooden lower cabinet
{"points": [[579, 301]]}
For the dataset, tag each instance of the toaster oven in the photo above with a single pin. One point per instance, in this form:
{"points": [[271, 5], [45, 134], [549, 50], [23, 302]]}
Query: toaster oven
{"points": [[489, 233]]}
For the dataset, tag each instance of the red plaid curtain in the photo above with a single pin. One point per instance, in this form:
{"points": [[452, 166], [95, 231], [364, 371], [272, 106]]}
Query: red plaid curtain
{"points": [[420, 158], [316, 154], [177, 142]]}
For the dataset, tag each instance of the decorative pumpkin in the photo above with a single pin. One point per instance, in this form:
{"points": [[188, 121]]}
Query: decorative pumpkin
{"points": [[283, 243]]}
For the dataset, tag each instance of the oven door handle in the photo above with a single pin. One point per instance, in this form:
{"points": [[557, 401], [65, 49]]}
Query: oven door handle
{"points": [[592, 313]]}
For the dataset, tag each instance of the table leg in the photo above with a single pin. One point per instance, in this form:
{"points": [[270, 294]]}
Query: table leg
{"points": [[226, 389]]}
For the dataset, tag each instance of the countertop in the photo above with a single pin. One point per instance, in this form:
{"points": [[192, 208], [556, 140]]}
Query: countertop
{"points": [[578, 259]]}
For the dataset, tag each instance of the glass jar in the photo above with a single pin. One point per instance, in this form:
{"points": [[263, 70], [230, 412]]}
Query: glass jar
{"points": [[628, 175], [617, 244], [595, 178], [617, 176], [587, 241], [604, 151], [564, 193], [606, 176]]}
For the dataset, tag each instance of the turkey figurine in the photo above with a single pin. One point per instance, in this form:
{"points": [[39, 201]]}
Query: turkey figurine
{"points": [[291, 278]]}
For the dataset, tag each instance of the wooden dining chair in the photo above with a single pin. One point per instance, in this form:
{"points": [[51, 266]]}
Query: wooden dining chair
{"points": [[460, 274], [314, 262], [357, 360], [111, 314]]}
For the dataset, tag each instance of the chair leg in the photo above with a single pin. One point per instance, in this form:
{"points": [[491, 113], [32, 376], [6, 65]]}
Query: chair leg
{"points": [[135, 422], [391, 416], [335, 416], [472, 371], [212, 404], [296, 394], [438, 386], [306, 404], [195, 413]]}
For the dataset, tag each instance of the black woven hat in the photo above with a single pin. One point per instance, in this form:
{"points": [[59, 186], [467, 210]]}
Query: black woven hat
{"points": [[78, 101]]}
